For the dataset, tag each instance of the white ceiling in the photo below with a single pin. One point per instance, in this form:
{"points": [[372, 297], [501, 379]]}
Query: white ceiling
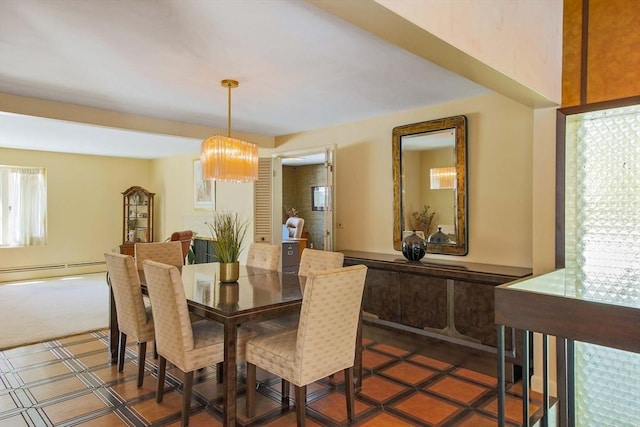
{"points": [[299, 67]]}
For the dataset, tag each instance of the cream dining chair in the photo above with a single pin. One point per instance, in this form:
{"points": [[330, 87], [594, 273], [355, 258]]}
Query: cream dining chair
{"points": [[323, 343], [135, 320], [164, 252], [311, 260], [185, 238], [188, 346], [263, 255], [315, 259]]}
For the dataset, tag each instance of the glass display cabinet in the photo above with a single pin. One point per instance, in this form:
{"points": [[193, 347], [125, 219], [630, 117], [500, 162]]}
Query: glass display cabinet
{"points": [[137, 218]]}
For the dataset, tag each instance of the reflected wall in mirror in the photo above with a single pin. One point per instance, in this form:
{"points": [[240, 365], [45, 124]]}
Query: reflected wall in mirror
{"points": [[430, 184]]}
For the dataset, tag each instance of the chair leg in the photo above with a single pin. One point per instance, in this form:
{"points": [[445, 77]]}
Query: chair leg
{"points": [[285, 391], [122, 346], [348, 386], [155, 350], [301, 404], [142, 354], [251, 390], [219, 372], [162, 367], [186, 397]]}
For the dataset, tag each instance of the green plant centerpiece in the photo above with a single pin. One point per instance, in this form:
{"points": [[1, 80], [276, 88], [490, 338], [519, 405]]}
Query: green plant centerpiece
{"points": [[228, 232]]}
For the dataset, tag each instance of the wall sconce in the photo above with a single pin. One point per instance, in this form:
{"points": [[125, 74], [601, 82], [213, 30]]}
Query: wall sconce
{"points": [[442, 178]]}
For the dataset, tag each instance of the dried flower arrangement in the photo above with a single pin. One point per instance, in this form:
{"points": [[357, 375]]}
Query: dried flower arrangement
{"points": [[291, 212], [423, 220]]}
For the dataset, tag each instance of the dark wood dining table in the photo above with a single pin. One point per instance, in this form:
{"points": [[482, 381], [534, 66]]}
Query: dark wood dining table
{"points": [[258, 295]]}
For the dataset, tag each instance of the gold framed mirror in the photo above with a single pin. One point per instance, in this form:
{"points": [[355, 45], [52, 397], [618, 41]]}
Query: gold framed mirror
{"points": [[430, 184]]}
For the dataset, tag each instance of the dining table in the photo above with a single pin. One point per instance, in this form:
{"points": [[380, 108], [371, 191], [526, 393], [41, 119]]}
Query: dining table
{"points": [[258, 295]]}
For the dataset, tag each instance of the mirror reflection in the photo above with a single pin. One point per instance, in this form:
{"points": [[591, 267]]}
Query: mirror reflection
{"points": [[430, 184]]}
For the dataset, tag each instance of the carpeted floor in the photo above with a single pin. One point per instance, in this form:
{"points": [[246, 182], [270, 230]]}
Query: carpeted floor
{"points": [[42, 310]]}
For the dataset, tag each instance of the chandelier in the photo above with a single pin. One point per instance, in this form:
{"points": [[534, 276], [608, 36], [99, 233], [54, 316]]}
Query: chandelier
{"points": [[442, 178], [226, 159]]}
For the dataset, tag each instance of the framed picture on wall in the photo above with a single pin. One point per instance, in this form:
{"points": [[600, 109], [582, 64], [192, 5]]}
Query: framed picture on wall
{"points": [[318, 195], [204, 190]]}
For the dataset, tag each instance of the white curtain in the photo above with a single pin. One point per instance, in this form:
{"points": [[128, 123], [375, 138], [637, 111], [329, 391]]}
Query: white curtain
{"points": [[24, 190]]}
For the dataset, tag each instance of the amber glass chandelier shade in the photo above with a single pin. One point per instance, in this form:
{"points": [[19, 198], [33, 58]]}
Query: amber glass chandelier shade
{"points": [[226, 159]]}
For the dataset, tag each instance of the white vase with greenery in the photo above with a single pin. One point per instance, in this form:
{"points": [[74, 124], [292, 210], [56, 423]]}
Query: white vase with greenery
{"points": [[228, 232]]}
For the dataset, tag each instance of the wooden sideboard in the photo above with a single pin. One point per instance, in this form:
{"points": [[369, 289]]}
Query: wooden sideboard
{"points": [[447, 300], [203, 250]]}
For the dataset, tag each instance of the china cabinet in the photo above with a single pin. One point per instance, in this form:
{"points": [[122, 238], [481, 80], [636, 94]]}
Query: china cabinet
{"points": [[137, 218]]}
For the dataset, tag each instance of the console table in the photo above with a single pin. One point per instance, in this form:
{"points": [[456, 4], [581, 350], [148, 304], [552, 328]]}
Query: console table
{"points": [[447, 300]]}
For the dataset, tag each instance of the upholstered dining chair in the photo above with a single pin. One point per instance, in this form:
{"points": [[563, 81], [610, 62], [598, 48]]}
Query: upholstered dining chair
{"points": [[263, 255], [164, 252], [323, 343], [315, 259], [188, 346], [135, 320], [184, 237], [311, 260]]}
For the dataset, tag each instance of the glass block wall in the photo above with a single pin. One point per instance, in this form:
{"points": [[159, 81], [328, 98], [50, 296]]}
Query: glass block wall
{"points": [[602, 234]]}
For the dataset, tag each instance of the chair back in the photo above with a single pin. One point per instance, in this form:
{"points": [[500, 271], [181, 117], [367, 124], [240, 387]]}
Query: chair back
{"points": [[174, 334], [164, 252], [295, 226], [127, 294], [185, 237], [315, 259], [263, 255], [328, 325]]}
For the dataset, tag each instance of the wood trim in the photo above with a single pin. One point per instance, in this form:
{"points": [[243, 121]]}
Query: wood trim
{"points": [[593, 322], [604, 105], [561, 126], [584, 53]]}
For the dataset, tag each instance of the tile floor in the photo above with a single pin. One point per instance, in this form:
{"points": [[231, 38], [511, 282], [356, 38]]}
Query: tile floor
{"points": [[68, 382]]}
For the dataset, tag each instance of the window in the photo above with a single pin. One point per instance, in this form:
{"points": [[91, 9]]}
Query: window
{"points": [[23, 206]]}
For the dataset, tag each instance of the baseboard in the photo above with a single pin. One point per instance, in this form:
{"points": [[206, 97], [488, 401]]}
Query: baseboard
{"points": [[12, 274]]}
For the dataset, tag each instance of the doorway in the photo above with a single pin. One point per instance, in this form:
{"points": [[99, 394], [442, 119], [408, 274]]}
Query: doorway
{"points": [[303, 187]]}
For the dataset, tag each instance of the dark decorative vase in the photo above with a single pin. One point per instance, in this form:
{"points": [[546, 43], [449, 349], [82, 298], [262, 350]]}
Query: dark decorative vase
{"points": [[413, 247], [439, 237]]}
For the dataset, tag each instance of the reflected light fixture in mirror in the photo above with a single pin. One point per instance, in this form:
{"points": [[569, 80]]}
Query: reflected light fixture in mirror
{"points": [[227, 159], [442, 178]]}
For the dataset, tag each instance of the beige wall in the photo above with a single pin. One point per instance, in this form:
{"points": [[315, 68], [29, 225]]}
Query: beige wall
{"points": [[500, 180], [520, 38], [511, 47], [84, 209], [500, 185], [172, 180]]}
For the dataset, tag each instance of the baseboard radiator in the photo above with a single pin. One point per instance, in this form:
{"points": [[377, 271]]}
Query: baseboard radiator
{"points": [[39, 271]]}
